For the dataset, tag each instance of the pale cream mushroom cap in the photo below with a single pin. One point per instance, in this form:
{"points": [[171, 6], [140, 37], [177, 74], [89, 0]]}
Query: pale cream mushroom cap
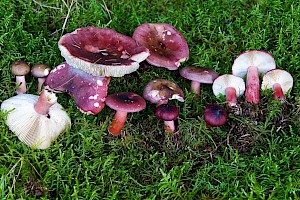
{"points": [[35, 130], [260, 59], [280, 76], [228, 80]]}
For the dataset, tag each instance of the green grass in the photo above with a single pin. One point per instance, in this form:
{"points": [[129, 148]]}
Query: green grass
{"points": [[144, 162]]}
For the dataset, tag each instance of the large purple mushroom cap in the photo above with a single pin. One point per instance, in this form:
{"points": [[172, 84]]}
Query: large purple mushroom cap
{"points": [[102, 51], [89, 92], [167, 46]]}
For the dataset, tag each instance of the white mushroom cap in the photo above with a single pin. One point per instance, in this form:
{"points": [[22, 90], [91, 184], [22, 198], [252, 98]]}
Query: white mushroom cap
{"points": [[35, 130], [228, 80], [280, 76], [260, 59]]}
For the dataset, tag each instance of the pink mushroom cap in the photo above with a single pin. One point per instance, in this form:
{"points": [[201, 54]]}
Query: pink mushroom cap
{"points": [[167, 46]]}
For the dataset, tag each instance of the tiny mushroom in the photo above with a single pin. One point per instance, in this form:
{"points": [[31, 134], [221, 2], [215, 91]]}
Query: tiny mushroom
{"points": [[160, 91], [215, 115], [167, 46], [123, 103], [88, 91], [280, 81], [40, 71], [168, 113], [36, 120], [198, 75], [20, 69], [229, 85], [102, 51], [253, 62]]}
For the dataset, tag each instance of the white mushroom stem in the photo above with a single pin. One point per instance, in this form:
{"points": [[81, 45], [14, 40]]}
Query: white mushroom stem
{"points": [[45, 101], [21, 82], [169, 126], [252, 85], [41, 81], [195, 87], [231, 97], [278, 92], [117, 123]]}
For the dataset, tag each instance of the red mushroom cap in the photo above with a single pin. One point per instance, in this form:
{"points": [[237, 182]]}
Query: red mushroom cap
{"points": [[102, 51], [125, 102], [167, 46], [199, 74], [88, 91], [215, 115], [166, 112]]}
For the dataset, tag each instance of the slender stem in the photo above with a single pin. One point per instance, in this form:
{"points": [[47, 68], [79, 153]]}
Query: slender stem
{"points": [[117, 123], [231, 97], [45, 101], [195, 87], [169, 126], [252, 85], [40, 83], [21, 82], [278, 93]]}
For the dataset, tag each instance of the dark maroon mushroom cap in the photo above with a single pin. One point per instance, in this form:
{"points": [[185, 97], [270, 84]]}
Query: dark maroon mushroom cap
{"points": [[167, 46], [88, 91], [215, 115], [199, 74], [166, 112], [125, 102], [162, 90], [102, 51]]}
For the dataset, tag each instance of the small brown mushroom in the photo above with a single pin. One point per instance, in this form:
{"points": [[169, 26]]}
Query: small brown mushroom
{"points": [[20, 69], [40, 71]]}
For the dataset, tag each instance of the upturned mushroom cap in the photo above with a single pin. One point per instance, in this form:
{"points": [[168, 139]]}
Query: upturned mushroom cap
{"points": [[89, 92], [162, 90], [102, 51], [125, 102], [32, 128], [199, 74], [167, 46], [166, 112], [40, 70], [20, 68], [228, 80], [280, 76], [215, 115], [260, 59]]}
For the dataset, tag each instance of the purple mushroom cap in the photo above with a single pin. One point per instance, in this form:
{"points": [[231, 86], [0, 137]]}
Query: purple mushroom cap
{"points": [[88, 91], [199, 74], [215, 115], [166, 112], [167, 46], [102, 51], [160, 91]]}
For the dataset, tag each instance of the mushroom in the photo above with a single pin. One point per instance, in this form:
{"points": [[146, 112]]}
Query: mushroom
{"points": [[253, 62], [167, 46], [160, 91], [198, 75], [102, 51], [88, 91], [36, 120], [40, 71], [20, 69], [168, 113], [123, 103], [229, 85], [215, 115], [280, 81]]}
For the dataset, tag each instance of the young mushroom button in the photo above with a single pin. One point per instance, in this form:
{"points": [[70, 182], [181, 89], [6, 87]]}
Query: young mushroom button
{"points": [[198, 75], [167, 46], [229, 85], [280, 81], [123, 103], [168, 113], [102, 51], [252, 63], [215, 115], [40, 71], [20, 69], [160, 91]]}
